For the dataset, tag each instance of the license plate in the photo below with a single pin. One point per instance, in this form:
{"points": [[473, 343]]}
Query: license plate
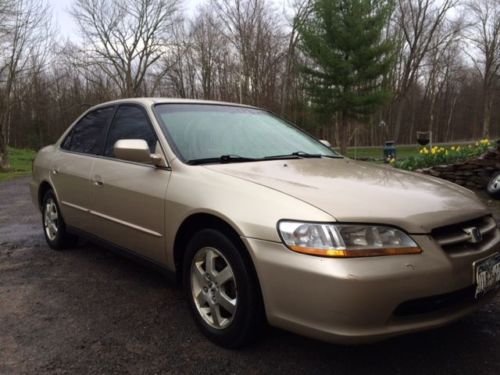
{"points": [[487, 274]]}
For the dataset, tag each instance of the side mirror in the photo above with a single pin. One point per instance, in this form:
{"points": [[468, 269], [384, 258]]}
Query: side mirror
{"points": [[136, 150], [326, 143]]}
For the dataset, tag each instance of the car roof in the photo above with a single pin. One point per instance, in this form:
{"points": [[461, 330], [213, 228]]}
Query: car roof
{"points": [[159, 100]]}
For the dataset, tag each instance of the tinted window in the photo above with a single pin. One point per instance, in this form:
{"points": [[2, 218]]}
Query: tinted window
{"points": [[87, 136], [130, 122]]}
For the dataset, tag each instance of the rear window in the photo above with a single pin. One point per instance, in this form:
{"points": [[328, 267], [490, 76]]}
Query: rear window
{"points": [[87, 136]]}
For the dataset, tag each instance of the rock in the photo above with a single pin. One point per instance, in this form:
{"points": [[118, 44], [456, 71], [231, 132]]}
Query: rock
{"points": [[473, 173]]}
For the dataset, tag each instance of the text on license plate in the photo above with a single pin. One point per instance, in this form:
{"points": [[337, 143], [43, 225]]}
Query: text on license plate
{"points": [[487, 274]]}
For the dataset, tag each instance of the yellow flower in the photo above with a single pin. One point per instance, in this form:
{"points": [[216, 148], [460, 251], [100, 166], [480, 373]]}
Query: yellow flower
{"points": [[446, 152], [452, 148], [477, 143], [458, 148], [433, 151]]}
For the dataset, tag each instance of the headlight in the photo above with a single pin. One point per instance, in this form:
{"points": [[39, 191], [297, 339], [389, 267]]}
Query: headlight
{"points": [[343, 240]]}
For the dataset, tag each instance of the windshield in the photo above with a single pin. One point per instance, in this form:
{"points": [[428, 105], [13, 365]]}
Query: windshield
{"points": [[203, 132]]}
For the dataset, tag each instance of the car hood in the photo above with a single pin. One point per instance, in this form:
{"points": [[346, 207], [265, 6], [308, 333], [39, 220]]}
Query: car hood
{"points": [[359, 192]]}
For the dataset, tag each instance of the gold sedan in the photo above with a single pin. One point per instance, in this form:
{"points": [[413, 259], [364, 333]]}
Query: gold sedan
{"points": [[260, 221]]}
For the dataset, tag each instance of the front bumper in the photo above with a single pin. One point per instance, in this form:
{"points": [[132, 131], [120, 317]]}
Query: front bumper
{"points": [[359, 300]]}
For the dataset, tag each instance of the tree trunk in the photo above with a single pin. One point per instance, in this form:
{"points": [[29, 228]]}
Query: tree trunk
{"points": [[399, 118], [343, 133], [431, 127], [486, 114], [449, 134], [4, 152]]}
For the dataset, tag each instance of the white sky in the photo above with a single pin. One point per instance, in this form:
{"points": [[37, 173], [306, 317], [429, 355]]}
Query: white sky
{"points": [[67, 27], [62, 19]]}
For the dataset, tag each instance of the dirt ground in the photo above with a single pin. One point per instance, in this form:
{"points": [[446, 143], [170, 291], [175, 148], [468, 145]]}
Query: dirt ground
{"points": [[87, 310]]}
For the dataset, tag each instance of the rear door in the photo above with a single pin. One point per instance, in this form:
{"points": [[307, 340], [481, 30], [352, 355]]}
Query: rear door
{"points": [[127, 198], [72, 164]]}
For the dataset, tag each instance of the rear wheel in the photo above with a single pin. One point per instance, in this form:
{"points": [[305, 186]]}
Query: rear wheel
{"points": [[222, 290], [54, 227], [493, 187]]}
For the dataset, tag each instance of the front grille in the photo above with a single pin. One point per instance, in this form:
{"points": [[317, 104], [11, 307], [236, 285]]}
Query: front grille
{"points": [[455, 240]]}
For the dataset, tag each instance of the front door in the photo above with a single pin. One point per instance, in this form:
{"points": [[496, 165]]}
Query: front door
{"points": [[127, 198]]}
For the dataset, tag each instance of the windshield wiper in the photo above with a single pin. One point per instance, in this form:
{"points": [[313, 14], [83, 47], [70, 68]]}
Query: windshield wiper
{"points": [[300, 154], [240, 159], [333, 156], [294, 155], [221, 159]]}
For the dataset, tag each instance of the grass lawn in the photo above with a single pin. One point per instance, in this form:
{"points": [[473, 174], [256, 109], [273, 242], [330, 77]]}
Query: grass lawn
{"points": [[402, 152], [20, 161]]}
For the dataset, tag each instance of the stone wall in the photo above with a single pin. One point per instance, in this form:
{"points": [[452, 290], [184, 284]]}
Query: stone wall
{"points": [[473, 174]]}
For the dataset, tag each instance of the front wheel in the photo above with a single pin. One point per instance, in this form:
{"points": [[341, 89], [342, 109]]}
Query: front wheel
{"points": [[493, 187], [222, 289], [54, 227]]}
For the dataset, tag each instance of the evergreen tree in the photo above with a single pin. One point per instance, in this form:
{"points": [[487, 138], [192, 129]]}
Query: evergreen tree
{"points": [[348, 57]]}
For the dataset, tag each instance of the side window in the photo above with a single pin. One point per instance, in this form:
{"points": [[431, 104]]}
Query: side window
{"points": [[87, 135], [130, 122]]}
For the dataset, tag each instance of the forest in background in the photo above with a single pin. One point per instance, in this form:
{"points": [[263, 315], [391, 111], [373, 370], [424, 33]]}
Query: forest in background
{"points": [[445, 77]]}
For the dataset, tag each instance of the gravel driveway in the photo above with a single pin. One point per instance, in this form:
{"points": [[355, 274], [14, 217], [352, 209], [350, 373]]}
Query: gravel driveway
{"points": [[87, 310]]}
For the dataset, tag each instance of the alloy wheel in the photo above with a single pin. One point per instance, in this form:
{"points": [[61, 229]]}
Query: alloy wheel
{"points": [[213, 287], [51, 219]]}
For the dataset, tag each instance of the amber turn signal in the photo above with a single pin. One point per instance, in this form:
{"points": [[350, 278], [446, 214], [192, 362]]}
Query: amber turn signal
{"points": [[355, 253]]}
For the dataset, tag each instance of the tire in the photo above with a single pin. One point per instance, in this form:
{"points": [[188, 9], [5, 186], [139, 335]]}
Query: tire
{"points": [[226, 303], [493, 187], [54, 227]]}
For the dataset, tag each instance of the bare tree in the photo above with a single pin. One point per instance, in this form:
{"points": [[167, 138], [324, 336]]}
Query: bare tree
{"points": [[437, 67], [416, 22], [253, 29], [177, 66], [302, 9], [124, 38], [208, 49], [24, 48], [485, 36]]}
